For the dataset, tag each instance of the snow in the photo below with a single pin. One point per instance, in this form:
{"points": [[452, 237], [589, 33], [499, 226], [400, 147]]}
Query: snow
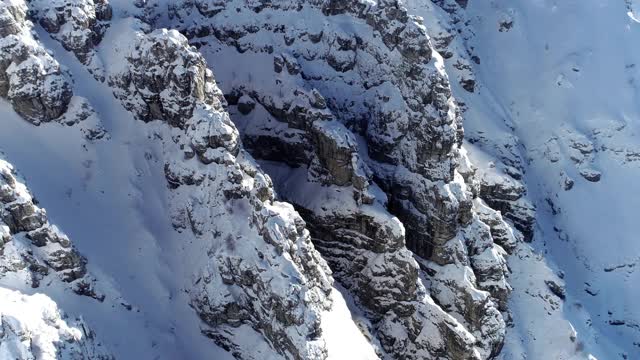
{"points": [[561, 84], [557, 93], [32, 328], [109, 196], [597, 93], [344, 339]]}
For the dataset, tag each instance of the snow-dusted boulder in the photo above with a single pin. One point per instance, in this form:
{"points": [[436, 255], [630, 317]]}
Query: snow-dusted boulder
{"points": [[168, 77]]}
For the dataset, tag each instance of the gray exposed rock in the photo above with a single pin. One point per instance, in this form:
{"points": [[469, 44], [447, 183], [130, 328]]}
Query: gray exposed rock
{"points": [[366, 118], [167, 80], [556, 289], [358, 105], [590, 174], [29, 77], [505, 194], [38, 248], [260, 272], [78, 25]]}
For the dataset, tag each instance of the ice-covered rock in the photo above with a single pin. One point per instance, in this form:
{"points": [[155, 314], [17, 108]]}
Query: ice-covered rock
{"points": [[78, 24], [356, 114], [506, 194], [33, 81]]}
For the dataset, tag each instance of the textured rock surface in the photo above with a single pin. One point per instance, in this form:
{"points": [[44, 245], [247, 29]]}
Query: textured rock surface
{"points": [[260, 270], [348, 108], [33, 81], [29, 77], [508, 195], [78, 25], [31, 248], [378, 88]]}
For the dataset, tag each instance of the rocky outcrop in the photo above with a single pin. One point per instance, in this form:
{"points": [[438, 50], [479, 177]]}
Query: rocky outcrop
{"points": [[170, 81], [257, 268], [33, 81], [78, 25], [500, 185], [345, 108], [264, 276], [32, 327], [31, 247], [508, 195], [359, 129], [30, 79]]}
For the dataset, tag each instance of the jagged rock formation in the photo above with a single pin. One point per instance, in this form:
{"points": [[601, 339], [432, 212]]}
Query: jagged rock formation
{"points": [[381, 81], [32, 327], [162, 78], [500, 184], [78, 25], [33, 82], [31, 248], [29, 77], [508, 195], [352, 115], [542, 162], [258, 269]]}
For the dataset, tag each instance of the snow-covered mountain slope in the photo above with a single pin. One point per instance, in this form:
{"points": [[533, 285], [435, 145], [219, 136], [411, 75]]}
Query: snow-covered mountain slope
{"points": [[291, 179], [34, 328], [555, 98], [163, 230]]}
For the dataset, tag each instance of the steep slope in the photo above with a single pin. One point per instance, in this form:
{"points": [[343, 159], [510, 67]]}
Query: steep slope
{"points": [[182, 181], [32, 327], [338, 110], [504, 240], [554, 107]]}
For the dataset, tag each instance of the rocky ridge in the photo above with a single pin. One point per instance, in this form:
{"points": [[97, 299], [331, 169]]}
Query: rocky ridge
{"points": [[500, 145], [242, 282], [78, 25], [31, 248], [32, 81], [501, 184], [29, 77], [237, 284], [351, 144]]}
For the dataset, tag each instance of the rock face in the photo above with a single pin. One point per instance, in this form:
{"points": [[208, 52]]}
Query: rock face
{"points": [[34, 328], [501, 184], [351, 114], [171, 81], [78, 25], [31, 247], [32, 80], [364, 120], [258, 269], [508, 195], [29, 77]]}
